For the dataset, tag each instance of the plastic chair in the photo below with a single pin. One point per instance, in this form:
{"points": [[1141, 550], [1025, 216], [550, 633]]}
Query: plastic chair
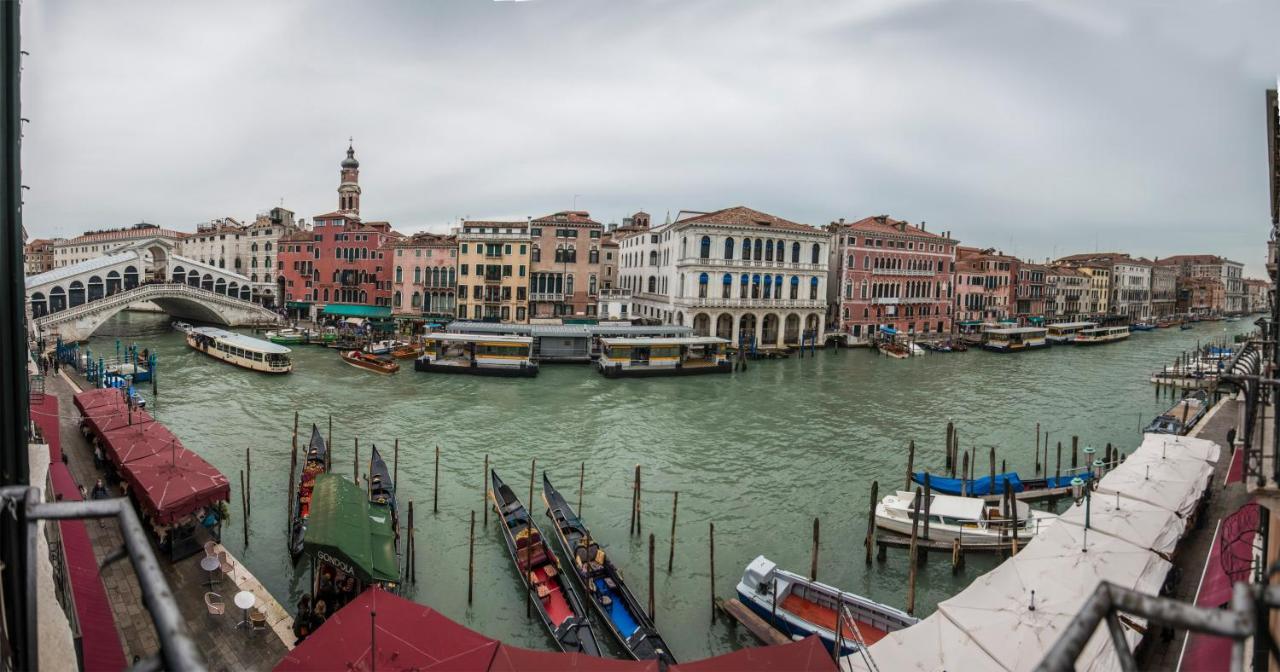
{"points": [[257, 619], [213, 602], [210, 548], [228, 569]]}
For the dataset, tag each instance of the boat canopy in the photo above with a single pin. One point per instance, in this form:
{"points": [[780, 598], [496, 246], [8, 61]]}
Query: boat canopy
{"points": [[356, 310], [644, 341], [981, 487], [242, 341], [963, 508], [341, 531], [1072, 325], [1010, 331], [888, 330], [479, 338]]}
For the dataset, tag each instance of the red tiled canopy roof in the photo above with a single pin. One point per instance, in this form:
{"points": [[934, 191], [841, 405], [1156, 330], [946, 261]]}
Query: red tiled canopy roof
{"points": [[743, 216]]}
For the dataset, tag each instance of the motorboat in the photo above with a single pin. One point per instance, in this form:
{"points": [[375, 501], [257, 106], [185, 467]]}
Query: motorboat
{"points": [[364, 360], [970, 519]]}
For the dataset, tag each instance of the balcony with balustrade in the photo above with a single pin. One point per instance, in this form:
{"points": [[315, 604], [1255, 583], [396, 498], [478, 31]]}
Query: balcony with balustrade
{"points": [[748, 264]]}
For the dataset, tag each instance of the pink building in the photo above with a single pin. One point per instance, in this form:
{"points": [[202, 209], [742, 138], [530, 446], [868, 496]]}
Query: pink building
{"points": [[892, 275], [424, 275], [986, 283]]}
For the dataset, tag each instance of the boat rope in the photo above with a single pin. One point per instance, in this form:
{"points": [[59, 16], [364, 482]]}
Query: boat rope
{"points": [[857, 637]]}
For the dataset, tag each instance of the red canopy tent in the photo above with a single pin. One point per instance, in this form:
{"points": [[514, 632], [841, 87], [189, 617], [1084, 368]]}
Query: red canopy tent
{"points": [[411, 636], [407, 636], [136, 441], [98, 397], [101, 423], [171, 484]]}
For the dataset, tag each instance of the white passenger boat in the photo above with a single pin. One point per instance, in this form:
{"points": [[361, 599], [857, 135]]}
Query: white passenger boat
{"points": [[805, 607], [1099, 335], [1065, 332], [477, 354], [383, 347], [647, 356], [1014, 339], [969, 519], [243, 351]]}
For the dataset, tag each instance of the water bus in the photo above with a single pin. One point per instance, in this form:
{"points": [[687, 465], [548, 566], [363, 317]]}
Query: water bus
{"points": [[368, 362], [650, 356], [477, 354], [557, 604], [1014, 339], [240, 350], [290, 336], [969, 519], [800, 607], [1099, 335], [1065, 332], [602, 582]]}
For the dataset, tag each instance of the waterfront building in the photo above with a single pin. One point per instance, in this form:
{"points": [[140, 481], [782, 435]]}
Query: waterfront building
{"points": [[1164, 290], [735, 273], [614, 303], [1030, 297], [1199, 295], [1099, 297], [1128, 281], [892, 274], [340, 261], [94, 244], [493, 271], [1229, 273], [248, 249], [985, 280], [1257, 294], [1067, 293], [38, 255], [564, 265], [425, 275]]}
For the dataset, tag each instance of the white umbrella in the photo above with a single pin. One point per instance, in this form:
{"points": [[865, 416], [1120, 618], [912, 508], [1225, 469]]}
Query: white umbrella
{"points": [[1140, 523]]}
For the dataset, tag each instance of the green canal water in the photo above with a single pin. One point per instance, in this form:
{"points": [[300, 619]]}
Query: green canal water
{"points": [[760, 453]]}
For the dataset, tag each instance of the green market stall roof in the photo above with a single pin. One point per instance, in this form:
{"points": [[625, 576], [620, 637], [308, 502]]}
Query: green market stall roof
{"points": [[340, 530], [355, 310]]}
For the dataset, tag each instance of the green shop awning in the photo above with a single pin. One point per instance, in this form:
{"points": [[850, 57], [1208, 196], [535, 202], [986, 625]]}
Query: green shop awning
{"points": [[356, 310], [297, 304], [970, 323], [342, 531], [1036, 320]]}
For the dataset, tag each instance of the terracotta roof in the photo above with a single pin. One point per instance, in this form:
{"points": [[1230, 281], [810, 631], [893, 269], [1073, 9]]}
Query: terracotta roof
{"points": [[336, 213], [742, 216], [567, 217], [500, 225], [887, 224], [1066, 271], [1179, 259], [425, 239]]}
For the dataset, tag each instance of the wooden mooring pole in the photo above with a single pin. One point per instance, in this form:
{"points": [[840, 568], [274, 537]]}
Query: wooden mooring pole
{"points": [[928, 496], [355, 461], [1037, 447], [248, 484], [652, 613], [471, 559], [413, 548], [675, 505], [955, 448], [964, 477], [582, 477], [711, 544], [950, 456], [485, 488], [435, 485], [533, 469], [911, 576], [244, 512], [1075, 442], [813, 562], [395, 463], [911, 459], [871, 520]]}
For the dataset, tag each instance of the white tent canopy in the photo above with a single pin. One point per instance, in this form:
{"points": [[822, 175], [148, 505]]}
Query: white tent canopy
{"points": [[1138, 522]]}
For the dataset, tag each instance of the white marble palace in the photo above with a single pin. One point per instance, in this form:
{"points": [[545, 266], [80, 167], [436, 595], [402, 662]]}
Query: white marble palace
{"points": [[735, 273]]}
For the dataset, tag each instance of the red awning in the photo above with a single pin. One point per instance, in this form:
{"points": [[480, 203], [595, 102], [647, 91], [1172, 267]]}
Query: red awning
{"points": [[408, 636], [98, 397], [173, 483], [133, 442], [806, 655], [516, 659], [102, 423]]}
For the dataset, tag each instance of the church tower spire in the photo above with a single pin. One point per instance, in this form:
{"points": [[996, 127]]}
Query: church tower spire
{"points": [[349, 188]]}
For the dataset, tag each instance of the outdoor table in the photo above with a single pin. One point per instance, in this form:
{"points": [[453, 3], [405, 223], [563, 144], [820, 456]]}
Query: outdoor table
{"points": [[245, 600], [209, 564]]}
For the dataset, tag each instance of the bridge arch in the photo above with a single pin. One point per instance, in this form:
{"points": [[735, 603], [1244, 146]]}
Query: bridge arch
{"points": [[130, 277], [113, 282], [57, 299], [76, 323], [39, 305], [75, 294], [96, 289]]}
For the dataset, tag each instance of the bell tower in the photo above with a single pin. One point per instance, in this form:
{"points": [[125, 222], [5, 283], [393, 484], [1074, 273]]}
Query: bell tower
{"points": [[349, 188]]}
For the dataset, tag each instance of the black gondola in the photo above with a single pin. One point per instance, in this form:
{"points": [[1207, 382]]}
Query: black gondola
{"points": [[558, 605], [382, 492], [603, 584], [316, 462]]}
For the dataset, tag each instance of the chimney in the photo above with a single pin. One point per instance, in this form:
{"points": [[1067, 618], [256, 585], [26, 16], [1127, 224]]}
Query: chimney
{"points": [[922, 227]]}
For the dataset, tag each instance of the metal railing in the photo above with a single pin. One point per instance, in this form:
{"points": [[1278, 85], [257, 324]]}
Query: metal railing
{"points": [[177, 648]]}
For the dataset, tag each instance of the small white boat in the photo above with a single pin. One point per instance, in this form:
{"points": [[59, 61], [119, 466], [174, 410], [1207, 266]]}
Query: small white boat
{"points": [[184, 327], [807, 607], [383, 347], [969, 519]]}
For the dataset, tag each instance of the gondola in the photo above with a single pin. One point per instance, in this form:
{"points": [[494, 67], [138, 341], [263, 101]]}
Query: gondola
{"points": [[382, 494], [602, 582], [316, 462], [558, 605]]}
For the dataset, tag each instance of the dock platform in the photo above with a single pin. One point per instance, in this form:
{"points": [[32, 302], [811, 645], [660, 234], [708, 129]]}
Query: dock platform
{"points": [[886, 540], [1031, 495], [739, 612]]}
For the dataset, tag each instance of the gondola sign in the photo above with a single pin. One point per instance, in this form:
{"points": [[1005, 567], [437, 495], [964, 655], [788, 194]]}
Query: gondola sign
{"points": [[342, 565]]}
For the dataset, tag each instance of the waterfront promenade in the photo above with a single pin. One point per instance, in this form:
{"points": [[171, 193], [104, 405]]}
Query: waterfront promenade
{"points": [[223, 646]]}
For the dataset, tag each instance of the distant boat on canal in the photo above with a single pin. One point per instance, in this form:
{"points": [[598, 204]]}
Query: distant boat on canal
{"points": [[1065, 332], [477, 355], [1014, 339], [1099, 335], [800, 607], [242, 351], [642, 356], [982, 486]]}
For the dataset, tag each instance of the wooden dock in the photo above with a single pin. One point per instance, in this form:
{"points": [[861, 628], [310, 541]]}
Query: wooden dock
{"points": [[1031, 495], [742, 613], [886, 540]]}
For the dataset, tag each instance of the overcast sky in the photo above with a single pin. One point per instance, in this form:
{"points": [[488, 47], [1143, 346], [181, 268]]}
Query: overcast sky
{"points": [[1041, 128]]}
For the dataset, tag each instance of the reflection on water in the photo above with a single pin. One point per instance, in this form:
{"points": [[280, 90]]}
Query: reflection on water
{"points": [[759, 453]]}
